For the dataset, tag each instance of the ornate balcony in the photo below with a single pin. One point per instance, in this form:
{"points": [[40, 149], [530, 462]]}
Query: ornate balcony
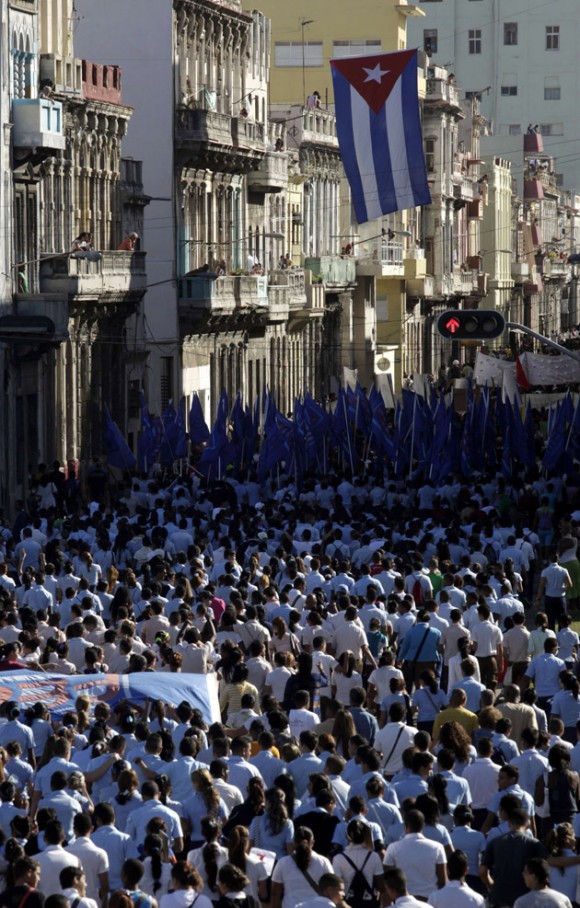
{"points": [[520, 272], [201, 294], [116, 277], [271, 175], [207, 138]]}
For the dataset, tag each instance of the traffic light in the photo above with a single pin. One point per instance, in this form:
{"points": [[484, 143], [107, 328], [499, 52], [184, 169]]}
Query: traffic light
{"points": [[471, 324]]}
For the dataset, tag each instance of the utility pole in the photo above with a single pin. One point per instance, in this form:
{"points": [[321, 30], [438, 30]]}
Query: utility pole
{"points": [[303, 23]]}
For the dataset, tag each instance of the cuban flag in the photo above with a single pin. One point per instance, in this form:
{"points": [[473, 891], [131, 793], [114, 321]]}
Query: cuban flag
{"points": [[379, 132]]}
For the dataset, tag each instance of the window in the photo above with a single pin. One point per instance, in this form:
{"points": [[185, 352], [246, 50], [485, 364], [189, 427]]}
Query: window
{"points": [[166, 386], [552, 37], [510, 33], [509, 91], [354, 48], [473, 96], [474, 40], [430, 40], [515, 129], [552, 90], [294, 53], [551, 129]]}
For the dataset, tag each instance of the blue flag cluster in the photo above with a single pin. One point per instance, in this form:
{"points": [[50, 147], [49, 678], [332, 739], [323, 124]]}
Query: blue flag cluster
{"points": [[421, 437]]}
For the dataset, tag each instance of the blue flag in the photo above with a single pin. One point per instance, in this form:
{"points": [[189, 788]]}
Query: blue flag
{"points": [[119, 454], [149, 439], [174, 441], [379, 132], [198, 430]]}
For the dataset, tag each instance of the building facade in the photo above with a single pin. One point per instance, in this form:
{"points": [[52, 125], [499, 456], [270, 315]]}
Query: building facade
{"points": [[62, 329]]}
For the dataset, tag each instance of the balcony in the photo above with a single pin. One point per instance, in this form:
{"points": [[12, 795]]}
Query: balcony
{"points": [[421, 287], [116, 277], [441, 93], [464, 188], [37, 123], [556, 269], [315, 298], [381, 258], [464, 282], [64, 72], [533, 190], [203, 293], [271, 175], [444, 285], [207, 138], [520, 272], [334, 270], [533, 144], [292, 280], [548, 181]]}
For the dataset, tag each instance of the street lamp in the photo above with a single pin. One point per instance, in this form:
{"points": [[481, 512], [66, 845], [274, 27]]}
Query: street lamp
{"points": [[303, 24]]}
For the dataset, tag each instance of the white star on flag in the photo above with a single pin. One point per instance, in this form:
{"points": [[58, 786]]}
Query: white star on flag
{"points": [[376, 74]]}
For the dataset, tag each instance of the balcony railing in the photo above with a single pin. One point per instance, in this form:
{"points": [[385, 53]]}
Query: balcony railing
{"points": [[441, 92], [293, 278], [203, 126], [464, 188], [271, 175], [114, 275], [222, 294], [37, 123], [333, 269]]}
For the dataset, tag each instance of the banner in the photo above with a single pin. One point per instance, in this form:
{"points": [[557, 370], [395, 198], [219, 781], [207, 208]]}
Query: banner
{"points": [[539, 369], [59, 692]]}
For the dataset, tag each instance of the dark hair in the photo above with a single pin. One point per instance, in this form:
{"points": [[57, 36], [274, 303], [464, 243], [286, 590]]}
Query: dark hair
{"points": [[210, 831], [153, 848], [303, 842]]}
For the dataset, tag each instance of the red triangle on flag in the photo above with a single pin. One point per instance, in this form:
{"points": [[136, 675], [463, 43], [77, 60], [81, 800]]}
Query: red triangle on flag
{"points": [[375, 76], [521, 377]]}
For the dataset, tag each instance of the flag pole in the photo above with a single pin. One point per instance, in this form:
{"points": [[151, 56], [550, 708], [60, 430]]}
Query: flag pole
{"points": [[347, 433]]}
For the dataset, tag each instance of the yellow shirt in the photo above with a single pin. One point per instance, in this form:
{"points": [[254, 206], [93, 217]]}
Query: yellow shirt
{"points": [[464, 717]]}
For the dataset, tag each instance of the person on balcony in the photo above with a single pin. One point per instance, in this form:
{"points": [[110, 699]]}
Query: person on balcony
{"points": [[130, 243], [314, 100], [82, 248]]}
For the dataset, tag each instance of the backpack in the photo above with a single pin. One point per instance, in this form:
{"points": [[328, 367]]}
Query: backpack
{"points": [[360, 893], [417, 592]]}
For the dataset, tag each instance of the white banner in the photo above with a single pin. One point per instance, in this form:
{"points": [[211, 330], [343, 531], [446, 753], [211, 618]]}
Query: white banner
{"points": [[488, 370], [550, 370]]}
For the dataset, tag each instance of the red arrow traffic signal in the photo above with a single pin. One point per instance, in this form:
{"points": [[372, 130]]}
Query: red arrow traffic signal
{"points": [[472, 324]]}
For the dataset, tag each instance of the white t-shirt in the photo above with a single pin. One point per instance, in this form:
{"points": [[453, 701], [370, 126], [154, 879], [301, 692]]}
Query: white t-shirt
{"points": [[296, 887]]}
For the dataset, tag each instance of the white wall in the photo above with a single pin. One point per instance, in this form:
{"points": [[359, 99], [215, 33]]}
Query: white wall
{"points": [[527, 65], [137, 35]]}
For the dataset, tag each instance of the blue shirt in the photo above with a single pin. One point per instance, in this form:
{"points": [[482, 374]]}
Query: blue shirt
{"points": [[429, 704], [531, 764], [527, 800], [269, 766], [383, 814], [545, 672], [508, 749], [473, 690], [567, 707], [411, 646], [194, 810], [472, 843], [359, 788], [300, 770], [410, 788], [262, 836], [118, 846], [340, 837], [365, 723]]}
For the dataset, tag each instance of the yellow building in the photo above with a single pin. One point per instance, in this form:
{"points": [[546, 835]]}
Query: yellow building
{"points": [[308, 33], [305, 36]]}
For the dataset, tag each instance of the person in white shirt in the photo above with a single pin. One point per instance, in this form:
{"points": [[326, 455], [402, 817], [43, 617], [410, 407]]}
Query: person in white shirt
{"points": [[93, 860], [422, 860], [456, 894], [393, 739], [54, 859], [74, 887], [488, 641]]}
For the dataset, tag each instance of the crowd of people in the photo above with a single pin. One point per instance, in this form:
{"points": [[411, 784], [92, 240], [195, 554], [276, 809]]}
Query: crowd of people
{"points": [[396, 668]]}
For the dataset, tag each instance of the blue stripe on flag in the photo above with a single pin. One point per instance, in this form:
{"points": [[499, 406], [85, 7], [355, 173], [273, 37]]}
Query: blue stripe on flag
{"points": [[382, 160], [347, 145], [413, 136]]}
